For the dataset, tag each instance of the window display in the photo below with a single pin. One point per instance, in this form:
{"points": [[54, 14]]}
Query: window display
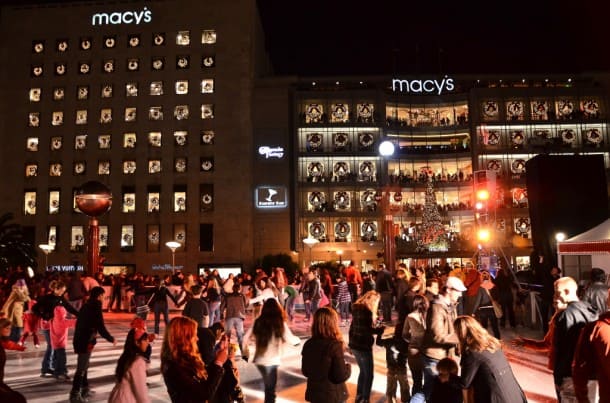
{"points": [[58, 118], [180, 138], [179, 201], [54, 202], [129, 202], [29, 203], [153, 202], [208, 37], [80, 167], [31, 170], [182, 87], [207, 86], [55, 169], [103, 141], [80, 142], [183, 38], [129, 140], [35, 94], [31, 144], [129, 167], [56, 143], [154, 166], [127, 237], [154, 139], [103, 168], [82, 92], [207, 137]]}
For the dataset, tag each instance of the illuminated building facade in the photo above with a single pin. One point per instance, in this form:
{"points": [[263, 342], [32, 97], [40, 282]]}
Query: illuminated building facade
{"points": [[150, 98], [444, 130]]}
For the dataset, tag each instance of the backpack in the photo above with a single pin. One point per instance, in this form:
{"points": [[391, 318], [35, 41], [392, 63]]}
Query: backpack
{"points": [[44, 308]]}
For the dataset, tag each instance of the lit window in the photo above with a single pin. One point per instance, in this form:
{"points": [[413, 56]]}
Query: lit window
{"points": [[159, 39], [35, 94], [183, 38], [81, 117], [154, 166], [103, 237], [182, 87], [207, 137], [29, 203], [152, 231], [129, 202], [37, 71], [181, 112], [208, 37], [103, 168], [60, 69], [129, 167], [103, 141], [54, 202], [207, 164], [207, 111], [156, 88], [80, 142], [129, 140], [31, 144], [58, 93], [34, 119], [133, 64], [82, 92], [208, 61], [55, 169], [126, 237], [77, 239], [106, 115], [207, 86], [85, 43], [80, 167], [52, 236], [133, 41], [38, 46], [56, 143], [131, 89], [58, 119], [130, 114], [179, 201], [153, 202], [180, 165], [31, 170], [180, 138], [158, 63], [154, 139], [182, 62], [107, 91], [155, 113], [109, 42], [84, 68], [108, 66]]}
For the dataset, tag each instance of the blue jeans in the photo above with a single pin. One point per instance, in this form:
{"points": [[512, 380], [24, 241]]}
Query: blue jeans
{"points": [[214, 308], [365, 377], [47, 360], [289, 307], [430, 373], [269, 374], [161, 307], [238, 324], [344, 310], [315, 304], [59, 362]]}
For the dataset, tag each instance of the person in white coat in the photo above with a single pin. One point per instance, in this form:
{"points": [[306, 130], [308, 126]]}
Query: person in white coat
{"points": [[271, 333], [130, 372]]}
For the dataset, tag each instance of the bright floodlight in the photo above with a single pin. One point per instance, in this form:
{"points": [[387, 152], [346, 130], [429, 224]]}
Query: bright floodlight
{"points": [[560, 237], [173, 245], [386, 148], [310, 241]]}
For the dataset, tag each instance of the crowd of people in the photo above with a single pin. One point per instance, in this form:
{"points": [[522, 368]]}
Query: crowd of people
{"points": [[430, 322]]}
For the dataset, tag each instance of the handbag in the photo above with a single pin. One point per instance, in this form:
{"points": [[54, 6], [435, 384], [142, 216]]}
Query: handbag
{"points": [[497, 307]]}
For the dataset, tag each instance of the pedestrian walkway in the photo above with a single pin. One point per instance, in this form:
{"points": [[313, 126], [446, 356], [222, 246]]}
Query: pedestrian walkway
{"points": [[22, 371]]}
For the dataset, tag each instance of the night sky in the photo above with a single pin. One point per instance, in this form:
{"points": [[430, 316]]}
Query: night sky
{"points": [[340, 37], [427, 36]]}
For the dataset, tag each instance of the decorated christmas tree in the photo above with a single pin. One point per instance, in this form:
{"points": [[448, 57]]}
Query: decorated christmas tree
{"points": [[433, 237]]}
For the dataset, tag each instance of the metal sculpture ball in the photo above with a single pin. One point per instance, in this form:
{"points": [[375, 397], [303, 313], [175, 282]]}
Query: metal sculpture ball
{"points": [[94, 199]]}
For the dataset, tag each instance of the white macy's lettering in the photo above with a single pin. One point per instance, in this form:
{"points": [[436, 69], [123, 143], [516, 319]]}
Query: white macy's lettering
{"points": [[127, 17], [423, 86]]}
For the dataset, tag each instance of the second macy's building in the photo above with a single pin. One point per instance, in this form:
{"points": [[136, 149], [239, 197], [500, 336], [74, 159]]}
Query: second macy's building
{"points": [[173, 106]]}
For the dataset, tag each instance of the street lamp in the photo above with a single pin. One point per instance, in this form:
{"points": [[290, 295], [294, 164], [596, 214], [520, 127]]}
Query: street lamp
{"points": [[310, 242], [46, 248], [93, 199], [559, 237], [340, 253], [386, 150], [173, 245]]}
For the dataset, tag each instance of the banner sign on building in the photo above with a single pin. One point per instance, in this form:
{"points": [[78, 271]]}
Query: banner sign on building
{"points": [[271, 197]]}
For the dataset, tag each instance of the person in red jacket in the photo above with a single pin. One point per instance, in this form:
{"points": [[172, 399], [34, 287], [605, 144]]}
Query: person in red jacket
{"points": [[59, 326], [592, 360]]}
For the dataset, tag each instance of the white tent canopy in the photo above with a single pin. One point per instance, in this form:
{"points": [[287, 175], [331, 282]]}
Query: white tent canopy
{"points": [[595, 241]]}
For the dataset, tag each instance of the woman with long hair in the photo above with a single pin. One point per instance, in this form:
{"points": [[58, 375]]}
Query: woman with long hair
{"points": [[14, 307], [130, 371], [323, 362], [271, 333], [361, 339], [413, 332], [185, 375], [484, 366]]}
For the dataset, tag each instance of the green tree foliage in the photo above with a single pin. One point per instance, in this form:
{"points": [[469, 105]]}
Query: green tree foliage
{"points": [[280, 260], [14, 249]]}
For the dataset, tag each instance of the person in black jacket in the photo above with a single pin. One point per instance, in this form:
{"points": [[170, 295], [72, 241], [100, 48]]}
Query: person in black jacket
{"points": [[323, 363], [44, 308], [187, 378], [158, 302], [396, 353], [90, 322], [484, 366], [361, 339]]}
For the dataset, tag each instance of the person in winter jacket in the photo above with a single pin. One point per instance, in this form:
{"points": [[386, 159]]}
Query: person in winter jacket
{"points": [[90, 322], [59, 326], [271, 333], [568, 324], [187, 378], [159, 302], [31, 324], [130, 371], [484, 366], [323, 362], [14, 307], [361, 339], [396, 352]]}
